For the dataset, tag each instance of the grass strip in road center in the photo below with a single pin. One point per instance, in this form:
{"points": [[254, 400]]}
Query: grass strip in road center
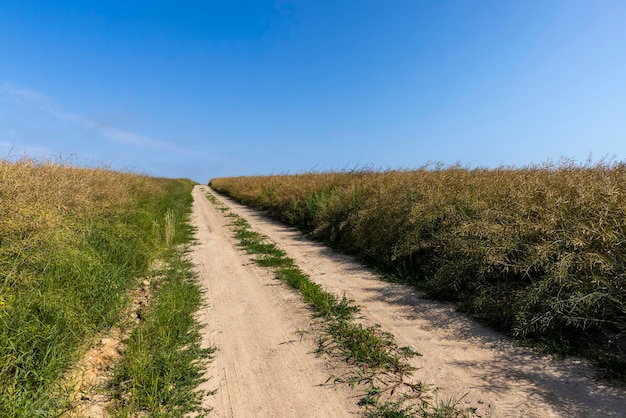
{"points": [[380, 365]]}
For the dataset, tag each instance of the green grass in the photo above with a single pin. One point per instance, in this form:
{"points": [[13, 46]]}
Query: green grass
{"points": [[427, 409], [378, 362], [163, 362], [73, 243], [326, 304]]}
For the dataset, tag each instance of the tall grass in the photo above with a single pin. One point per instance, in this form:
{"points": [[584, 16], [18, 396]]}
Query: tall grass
{"points": [[72, 241], [538, 251]]}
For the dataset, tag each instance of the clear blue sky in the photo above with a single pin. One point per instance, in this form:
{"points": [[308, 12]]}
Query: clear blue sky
{"points": [[204, 89]]}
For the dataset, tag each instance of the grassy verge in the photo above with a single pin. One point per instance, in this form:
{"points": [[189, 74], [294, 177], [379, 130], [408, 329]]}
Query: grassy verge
{"points": [[73, 242], [537, 252], [379, 364], [163, 363]]}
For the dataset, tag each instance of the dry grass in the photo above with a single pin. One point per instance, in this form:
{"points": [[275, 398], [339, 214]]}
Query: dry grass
{"points": [[538, 251]]}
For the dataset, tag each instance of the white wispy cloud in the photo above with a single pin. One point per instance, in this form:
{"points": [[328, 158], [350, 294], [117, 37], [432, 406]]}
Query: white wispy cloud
{"points": [[45, 104]]}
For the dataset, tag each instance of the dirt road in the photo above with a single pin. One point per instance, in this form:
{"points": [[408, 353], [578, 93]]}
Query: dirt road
{"points": [[264, 366], [263, 369]]}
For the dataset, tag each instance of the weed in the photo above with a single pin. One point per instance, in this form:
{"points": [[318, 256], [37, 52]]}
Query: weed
{"points": [[170, 228]]}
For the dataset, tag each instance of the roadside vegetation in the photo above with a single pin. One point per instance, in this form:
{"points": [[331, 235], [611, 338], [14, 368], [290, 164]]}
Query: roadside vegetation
{"points": [[379, 366], [163, 362], [73, 243], [539, 251]]}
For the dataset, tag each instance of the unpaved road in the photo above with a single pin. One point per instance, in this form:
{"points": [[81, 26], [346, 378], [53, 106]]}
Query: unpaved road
{"points": [[263, 369], [264, 366]]}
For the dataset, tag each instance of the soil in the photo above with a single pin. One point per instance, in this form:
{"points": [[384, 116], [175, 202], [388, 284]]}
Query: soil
{"points": [[89, 378], [265, 366]]}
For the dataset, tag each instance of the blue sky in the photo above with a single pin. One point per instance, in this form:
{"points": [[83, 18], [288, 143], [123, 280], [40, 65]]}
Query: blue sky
{"points": [[204, 89]]}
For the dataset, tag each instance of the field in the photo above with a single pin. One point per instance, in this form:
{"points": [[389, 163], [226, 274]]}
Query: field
{"points": [[539, 252], [74, 243]]}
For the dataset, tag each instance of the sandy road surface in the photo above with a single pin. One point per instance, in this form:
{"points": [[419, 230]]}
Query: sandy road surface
{"points": [[459, 356], [264, 366]]}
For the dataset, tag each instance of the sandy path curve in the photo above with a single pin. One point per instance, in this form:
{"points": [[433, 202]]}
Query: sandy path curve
{"points": [[263, 367], [460, 357]]}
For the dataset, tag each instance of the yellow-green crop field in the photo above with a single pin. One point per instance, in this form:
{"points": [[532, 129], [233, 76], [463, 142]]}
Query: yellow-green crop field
{"points": [[539, 251]]}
